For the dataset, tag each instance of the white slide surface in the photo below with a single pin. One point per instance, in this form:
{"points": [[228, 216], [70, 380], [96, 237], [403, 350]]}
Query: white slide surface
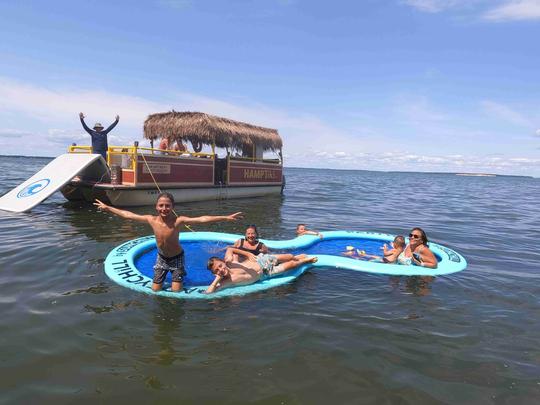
{"points": [[45, 182]]}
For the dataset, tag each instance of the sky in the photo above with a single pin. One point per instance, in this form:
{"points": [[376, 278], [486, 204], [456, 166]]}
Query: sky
{"points": [[407, 85]]}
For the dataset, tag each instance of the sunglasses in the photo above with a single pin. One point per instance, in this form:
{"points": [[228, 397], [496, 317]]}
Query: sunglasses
{"points": [[412, 235]]}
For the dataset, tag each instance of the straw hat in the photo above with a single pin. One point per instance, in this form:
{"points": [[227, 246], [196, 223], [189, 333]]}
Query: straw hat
{"points": [[98, 125]]}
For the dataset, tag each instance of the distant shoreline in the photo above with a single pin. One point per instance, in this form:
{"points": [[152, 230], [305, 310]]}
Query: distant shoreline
{"points": [[464, 174]]}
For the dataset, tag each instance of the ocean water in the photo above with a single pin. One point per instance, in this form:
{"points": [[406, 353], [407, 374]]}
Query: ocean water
{"points": [[70, 334]]}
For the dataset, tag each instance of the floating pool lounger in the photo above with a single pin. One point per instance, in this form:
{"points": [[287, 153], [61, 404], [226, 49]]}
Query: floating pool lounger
{"points": [[131, 264]]}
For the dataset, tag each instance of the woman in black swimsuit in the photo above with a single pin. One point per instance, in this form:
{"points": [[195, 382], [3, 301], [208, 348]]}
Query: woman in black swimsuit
{"points": [[251, 242]]}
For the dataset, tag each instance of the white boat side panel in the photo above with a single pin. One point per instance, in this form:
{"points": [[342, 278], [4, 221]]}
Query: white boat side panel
{"points": [[49, 179], [126, 198]]}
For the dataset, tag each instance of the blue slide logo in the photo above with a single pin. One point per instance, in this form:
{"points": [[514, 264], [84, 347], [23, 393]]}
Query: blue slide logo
{"points": [[33, 188]]}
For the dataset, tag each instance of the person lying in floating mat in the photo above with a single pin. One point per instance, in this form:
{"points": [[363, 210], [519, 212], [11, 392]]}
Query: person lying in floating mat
{"points": [[230, 272], [389, 255], [301, 229], [166, 226], [351, 251]]}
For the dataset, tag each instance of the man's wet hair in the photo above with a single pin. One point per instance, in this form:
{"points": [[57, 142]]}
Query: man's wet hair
{"points": [[166, 195], [299, 225], [211, 262], [399, 240]]}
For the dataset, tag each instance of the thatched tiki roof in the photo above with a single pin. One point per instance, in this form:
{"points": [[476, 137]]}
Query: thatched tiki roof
{"points": [[208, 129]]}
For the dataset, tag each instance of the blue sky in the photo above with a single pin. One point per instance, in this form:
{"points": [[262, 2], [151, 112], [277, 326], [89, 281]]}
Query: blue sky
{"points": [[421, 85]]}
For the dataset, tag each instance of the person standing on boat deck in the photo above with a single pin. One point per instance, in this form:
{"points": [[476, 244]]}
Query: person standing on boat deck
{"points": [[180, 147], [164, 145], [99, 136]]}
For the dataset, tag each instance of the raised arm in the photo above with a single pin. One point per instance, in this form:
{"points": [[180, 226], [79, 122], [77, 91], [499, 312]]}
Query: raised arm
{"points": [[81, 116], [112, 125], [247, 255], [101, 206], [209, 218]]}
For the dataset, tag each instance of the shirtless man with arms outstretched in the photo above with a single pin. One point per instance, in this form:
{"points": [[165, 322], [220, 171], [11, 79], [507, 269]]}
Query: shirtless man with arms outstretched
{"points": [[166, 226]]}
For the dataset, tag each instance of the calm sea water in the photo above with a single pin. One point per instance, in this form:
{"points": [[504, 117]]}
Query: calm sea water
{"points": [[69, 334]]}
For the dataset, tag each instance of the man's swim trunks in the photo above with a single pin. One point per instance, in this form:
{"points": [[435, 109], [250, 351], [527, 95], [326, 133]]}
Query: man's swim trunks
{"points": [[173, 264], [268, 264]]}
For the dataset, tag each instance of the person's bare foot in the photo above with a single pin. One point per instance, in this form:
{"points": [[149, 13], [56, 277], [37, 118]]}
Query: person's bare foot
{"points": [[310, 259]]}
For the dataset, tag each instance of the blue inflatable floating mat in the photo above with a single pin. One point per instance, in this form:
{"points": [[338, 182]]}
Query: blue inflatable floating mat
{"points": [[131, 264]]}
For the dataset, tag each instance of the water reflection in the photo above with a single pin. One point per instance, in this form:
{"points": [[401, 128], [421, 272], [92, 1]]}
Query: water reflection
{"points": [[265, 213], [84, 219], [166, 319], [101, 309], [419, 286]]}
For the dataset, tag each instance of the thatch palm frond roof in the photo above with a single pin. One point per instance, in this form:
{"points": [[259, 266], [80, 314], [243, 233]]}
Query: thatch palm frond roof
{"points": [[208, 129]]}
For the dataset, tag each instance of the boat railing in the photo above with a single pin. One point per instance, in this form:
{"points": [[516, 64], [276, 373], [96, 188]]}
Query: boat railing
{"points": [[126, 156], [123, 156], [170, 152], [79, 149], [254, 159]]}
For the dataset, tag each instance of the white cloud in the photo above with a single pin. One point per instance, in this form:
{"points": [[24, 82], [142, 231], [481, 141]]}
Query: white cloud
{"points": [[55, 113], [504, 10], [12, 133], [537, 132], [48, 121], [62, 104], [403, 161], [505, 113], [434, 6], [514, 10]]}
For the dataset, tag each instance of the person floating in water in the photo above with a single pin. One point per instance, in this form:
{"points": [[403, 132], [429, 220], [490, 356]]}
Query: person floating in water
{"points": [[99, 136], [417, 252], [166, 226], [301, 229], [389, 255], [230, 272], [351, 251]]}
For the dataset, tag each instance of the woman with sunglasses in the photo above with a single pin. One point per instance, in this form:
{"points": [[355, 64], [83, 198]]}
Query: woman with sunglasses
{"points": [[417, 251], [250, 243]]}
